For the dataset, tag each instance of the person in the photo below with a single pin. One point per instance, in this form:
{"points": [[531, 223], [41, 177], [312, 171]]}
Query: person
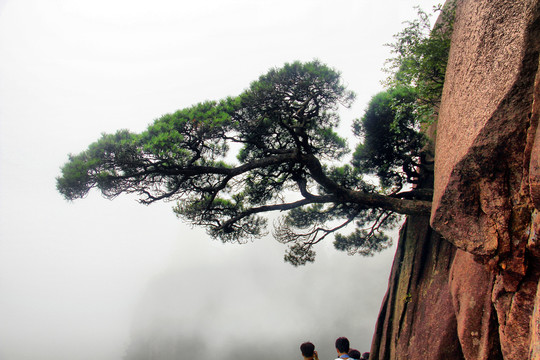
{"points": [[308, 351], [365, 356], [354, 354], [342, 348]]}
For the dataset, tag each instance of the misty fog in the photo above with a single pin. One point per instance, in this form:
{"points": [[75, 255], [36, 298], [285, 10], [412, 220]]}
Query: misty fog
{"points": [[244, 301], [106, 280]]}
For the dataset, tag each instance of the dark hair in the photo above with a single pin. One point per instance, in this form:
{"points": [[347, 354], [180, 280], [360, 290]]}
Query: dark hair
{"points": [[307, 349], [342, 344], [365, 356], [355, 354]]}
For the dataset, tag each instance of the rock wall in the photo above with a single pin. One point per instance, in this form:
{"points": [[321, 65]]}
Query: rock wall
{"points": [[484, 302], [409, 326], [485, 186], [438, 305]]}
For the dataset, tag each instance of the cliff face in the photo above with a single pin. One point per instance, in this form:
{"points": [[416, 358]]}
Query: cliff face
{"points": [[409, 326], [476, 295], [438, 305]]}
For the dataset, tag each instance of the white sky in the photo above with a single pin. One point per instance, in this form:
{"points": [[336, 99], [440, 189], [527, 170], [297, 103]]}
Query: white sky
{"points": [[72, 275]]}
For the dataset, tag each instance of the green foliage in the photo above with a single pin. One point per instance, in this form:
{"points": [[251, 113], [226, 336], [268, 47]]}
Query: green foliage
{"points": [[285, 124], [91, 167], [141, 163], [299, 254], [198, 129], [369, 237], [293, 107], [392, 142], [420, 55]]}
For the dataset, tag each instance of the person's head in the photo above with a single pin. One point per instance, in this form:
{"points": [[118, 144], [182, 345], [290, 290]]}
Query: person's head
{"points": [[307, 349], [355, 354], [342, 345], [365, 356]]}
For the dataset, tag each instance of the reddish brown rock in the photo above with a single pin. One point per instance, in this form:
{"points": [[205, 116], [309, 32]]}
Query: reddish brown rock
{"points": [[533, 243], [483, 121], [438, 305], [534, 353], [533, 148], [486, 168], [417, 318], [534, 175], [515, 310], [477, 327]]}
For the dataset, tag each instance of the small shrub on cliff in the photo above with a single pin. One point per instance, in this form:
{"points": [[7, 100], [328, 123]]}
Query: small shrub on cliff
{"points": [[392, 140], [420, 54]]}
